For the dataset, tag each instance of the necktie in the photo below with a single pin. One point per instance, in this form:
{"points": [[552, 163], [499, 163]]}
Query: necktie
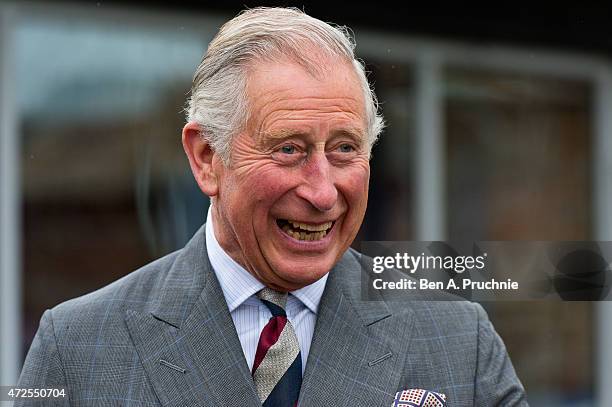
{"points": [[277, 371]]}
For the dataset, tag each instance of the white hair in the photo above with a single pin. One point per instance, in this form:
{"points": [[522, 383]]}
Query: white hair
{"points": [[219, 102]]}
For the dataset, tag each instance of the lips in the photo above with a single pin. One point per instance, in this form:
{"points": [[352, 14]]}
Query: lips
{"points": [[305, 231]]}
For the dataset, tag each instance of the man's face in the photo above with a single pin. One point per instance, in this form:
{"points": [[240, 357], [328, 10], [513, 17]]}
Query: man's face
{"points": [[295, 192]]}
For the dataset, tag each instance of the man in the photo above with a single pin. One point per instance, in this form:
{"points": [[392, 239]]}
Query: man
{"points": [[281, 122]]}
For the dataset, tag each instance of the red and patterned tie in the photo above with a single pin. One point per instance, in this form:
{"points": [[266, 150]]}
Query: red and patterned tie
{"points": [[277, 371]]}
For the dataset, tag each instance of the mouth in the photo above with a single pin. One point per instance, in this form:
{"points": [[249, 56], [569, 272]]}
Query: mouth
{"points": [[305, 231]]}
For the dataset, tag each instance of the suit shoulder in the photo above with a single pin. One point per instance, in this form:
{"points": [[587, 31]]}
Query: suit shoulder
{"points": [[133, 290], [449, 309], [436, 306]]}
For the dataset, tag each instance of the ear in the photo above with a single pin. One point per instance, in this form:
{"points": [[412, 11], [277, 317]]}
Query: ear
{"points": [[200, 156]]}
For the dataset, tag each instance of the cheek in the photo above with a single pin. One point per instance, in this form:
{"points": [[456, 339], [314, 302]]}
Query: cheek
{"points": [[264, 186], [354, 186]]}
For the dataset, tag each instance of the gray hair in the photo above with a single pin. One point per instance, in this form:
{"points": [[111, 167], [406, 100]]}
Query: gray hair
{"points": [[219, 102]]}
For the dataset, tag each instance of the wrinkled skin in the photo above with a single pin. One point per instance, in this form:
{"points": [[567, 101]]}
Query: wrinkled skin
{"points": [[303, 157]]}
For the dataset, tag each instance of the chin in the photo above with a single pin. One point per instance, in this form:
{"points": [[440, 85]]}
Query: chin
{"points": [[307, 275]]}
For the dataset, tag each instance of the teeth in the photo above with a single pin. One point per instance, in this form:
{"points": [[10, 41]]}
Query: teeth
{"points": [[311, 228], [311, 234]]}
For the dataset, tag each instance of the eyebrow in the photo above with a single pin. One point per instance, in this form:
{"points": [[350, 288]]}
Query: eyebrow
{"points": [[353, 132], [268, 137], [282, 134]]}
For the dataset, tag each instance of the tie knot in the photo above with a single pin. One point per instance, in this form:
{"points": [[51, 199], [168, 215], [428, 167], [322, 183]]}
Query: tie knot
{"points": [[274, 300]]}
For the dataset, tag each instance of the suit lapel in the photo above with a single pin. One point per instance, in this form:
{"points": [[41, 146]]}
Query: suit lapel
{"points": [[358, 348], [187, 343], [191, 353]]}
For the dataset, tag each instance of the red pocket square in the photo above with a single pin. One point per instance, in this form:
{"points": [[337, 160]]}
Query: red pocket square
{"points": [[419, 398]]}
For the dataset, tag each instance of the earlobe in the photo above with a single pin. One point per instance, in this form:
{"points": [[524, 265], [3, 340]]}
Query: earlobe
{"points": [[200, 155]]}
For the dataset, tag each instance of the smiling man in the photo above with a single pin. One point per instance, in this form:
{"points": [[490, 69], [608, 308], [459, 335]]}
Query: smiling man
{"points": [[293, 193], [263, 306]]}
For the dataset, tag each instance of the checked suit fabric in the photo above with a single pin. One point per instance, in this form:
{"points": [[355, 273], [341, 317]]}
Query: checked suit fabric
{"points": [[105, 348], [277, 370]]}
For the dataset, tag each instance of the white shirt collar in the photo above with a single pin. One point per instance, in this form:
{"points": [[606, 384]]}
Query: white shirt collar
{"points": [[238, 284]]}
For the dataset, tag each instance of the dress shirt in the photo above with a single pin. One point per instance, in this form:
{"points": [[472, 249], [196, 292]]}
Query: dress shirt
{"points": [[249, 314]]}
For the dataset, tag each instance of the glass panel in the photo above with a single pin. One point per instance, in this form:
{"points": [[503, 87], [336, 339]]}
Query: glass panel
{"points": [[518, 156]]}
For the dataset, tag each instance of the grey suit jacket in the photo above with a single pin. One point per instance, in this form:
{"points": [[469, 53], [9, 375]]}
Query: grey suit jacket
{"points": [[163, 335]]}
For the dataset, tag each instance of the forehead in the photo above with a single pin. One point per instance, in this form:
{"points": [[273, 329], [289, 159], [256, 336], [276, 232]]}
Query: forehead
{"points": [[286, 94]]}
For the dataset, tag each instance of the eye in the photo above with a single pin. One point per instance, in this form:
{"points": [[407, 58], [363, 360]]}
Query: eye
{"points": [[346, 148], [289, 153], [288, 149]]}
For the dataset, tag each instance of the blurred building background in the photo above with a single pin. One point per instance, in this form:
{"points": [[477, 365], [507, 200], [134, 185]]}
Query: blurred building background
{"points": [[499, 128]]}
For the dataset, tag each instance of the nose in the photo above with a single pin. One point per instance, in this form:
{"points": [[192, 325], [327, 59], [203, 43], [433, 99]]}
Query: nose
{"points": [[318, 185]]}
